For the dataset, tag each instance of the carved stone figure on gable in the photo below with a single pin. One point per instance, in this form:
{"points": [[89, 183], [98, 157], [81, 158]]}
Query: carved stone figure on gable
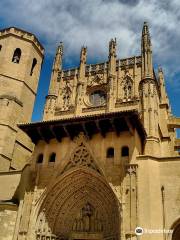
{"points": [[67, 91], [127, 85]]}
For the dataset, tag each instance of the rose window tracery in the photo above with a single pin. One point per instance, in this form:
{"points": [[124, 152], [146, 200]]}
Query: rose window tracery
{"points": [[97, 98]]}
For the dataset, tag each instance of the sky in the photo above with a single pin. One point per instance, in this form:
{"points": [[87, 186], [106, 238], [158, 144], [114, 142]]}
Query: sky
{"points": [[93, 23]]}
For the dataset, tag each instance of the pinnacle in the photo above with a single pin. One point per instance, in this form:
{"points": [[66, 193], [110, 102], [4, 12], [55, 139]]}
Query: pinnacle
{"points": [[60, 49], [145, 29], [160, 69], [145, 34]]}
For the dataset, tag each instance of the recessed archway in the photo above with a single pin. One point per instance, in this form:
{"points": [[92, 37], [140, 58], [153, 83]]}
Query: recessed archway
{"points": [[80, 202], [176, 232]]}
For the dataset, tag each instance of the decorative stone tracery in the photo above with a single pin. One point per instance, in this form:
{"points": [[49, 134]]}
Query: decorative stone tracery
{"points": [[81, 156], [96, 80]]}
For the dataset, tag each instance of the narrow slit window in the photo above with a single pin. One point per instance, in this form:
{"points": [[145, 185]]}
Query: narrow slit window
{"points": [[52, 157], [33, 66], [40, 158], [16, 56], [0, 47], [110, 152]]}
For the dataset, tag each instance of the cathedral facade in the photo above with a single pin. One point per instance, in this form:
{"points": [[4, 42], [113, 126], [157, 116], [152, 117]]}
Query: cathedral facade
{"points": [[104, 161]]}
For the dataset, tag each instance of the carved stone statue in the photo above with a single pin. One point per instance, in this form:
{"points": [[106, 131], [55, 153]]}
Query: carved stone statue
{"points": [[89, 220], [67, 91]]}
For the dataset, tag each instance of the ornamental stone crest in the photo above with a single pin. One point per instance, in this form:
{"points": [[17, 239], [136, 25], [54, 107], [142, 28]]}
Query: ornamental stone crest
{"points": [[96, 80], [81, 156]]}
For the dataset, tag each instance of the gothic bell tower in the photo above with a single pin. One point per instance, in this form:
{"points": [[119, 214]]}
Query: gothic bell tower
{"points": [[21, 57]]}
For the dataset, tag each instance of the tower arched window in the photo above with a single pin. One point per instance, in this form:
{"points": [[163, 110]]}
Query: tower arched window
{"points": [[0, 47], [16, 56], [34, 62], [40, 158], [125, 151], [110, 152], [52, 157]]}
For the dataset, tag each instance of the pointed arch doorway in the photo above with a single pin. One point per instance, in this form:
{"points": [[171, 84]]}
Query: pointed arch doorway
{"points": [[79, 205]]}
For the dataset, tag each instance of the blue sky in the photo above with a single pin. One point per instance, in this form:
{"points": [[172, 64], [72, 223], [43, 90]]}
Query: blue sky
{"points": [[94, 23]]}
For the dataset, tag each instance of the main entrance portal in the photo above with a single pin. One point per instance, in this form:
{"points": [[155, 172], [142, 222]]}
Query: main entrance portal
{"points": [[80, 205]]}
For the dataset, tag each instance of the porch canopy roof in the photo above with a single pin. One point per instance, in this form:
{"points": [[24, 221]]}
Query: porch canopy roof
{"points": [[88, 124]]}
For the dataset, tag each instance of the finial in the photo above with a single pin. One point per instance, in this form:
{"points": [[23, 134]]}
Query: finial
{"points": [[160, 69], [112, 47], [83, 55], [145, 32], [60, 49]]}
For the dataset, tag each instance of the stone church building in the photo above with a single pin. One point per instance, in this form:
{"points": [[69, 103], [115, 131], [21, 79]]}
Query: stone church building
{"points": [[103, 160]]}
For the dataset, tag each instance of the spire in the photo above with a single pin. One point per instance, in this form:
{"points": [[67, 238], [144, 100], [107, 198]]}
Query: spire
{"points": [[112, 56], [83, 58], [164, 99], [53, 88], [146, 52], [57, 66]]}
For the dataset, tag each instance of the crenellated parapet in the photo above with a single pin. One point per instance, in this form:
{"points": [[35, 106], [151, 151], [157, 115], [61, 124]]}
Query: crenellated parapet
{"points": [[26, 36]]}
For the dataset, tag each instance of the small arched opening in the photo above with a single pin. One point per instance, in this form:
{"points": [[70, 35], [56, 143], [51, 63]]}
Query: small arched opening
{"points": [[176, 232], [110, 152], [40, 158], [34, 63], [125, 151], [52, 157], [16, 56]]}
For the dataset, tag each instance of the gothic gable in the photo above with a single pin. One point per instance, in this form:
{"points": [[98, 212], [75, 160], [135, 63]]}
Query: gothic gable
{"points": [[81, 156]]}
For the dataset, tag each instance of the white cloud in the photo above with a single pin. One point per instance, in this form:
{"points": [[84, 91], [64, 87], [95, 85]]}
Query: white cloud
{"points": [[95, 22]]}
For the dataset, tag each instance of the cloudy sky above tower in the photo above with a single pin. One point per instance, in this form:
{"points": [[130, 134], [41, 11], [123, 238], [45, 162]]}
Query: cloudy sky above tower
{"points": [[93, 23]]}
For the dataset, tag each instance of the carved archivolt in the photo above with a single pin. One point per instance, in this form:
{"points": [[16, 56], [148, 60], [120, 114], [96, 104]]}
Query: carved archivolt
{"points": [[79, 199]]}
